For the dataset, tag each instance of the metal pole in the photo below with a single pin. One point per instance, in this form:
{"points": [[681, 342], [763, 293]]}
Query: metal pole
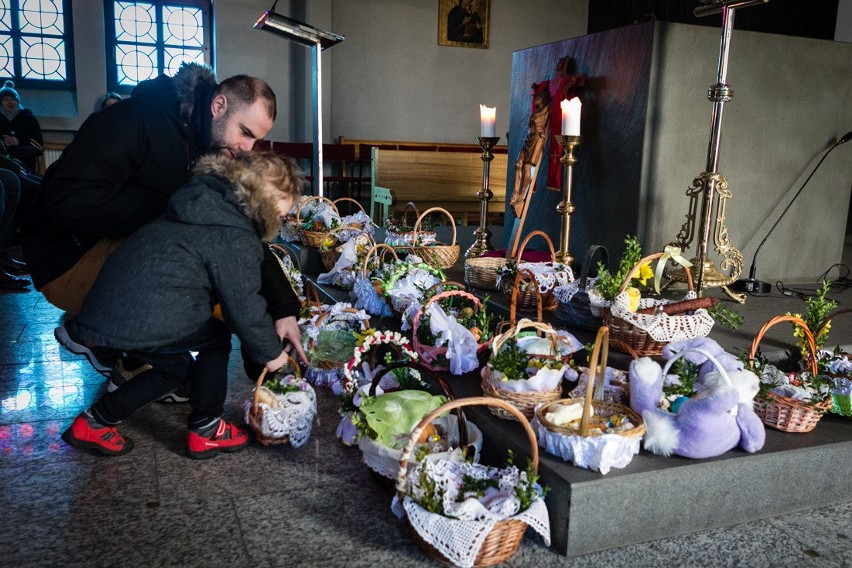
{"points": [[720, 93], [316, 95]]}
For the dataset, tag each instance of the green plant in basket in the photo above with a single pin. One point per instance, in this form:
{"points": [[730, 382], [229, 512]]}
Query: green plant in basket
{"points": [[480, 322], [284, 381], [481, 483], [608, 284], [517, 364], [819, 307]]}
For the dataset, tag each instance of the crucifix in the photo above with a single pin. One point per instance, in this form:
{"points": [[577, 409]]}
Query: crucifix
{"points": [[544, 122]]}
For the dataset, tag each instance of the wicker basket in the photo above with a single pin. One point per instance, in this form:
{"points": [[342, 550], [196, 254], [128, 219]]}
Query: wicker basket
{"points": [[481, 271], [290, 265], [524, 401], [312, 238], [437, 254], [383, 460], [405, 239], [530, 290], [329, 365], [781, 412], [430, 356], [636, 335], [597, 364], [506, 536], [261, 421]]}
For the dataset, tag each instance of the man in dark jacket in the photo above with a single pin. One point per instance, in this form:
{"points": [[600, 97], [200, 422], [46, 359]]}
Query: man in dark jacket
{"points": [[119, 172]]}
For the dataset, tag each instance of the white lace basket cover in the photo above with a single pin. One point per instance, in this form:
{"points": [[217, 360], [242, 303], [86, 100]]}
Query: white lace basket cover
{"points": [[663, 327], [616, 384], [460, 537], [597, 303], [294, 416], [600, 453], [548, 275], [384, 460]]}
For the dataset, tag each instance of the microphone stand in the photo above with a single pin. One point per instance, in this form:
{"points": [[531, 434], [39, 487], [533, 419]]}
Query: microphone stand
{"points": [[751, 284]]}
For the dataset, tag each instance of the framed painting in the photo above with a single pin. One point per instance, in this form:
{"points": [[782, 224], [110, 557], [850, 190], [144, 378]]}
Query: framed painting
{"points": [[464, 23]]}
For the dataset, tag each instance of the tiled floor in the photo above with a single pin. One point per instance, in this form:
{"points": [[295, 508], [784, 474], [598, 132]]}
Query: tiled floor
{"points": [[265, 506]]}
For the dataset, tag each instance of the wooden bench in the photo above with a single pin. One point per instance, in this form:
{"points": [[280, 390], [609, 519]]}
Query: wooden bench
{"points": [[364, 147], [444, 179]]}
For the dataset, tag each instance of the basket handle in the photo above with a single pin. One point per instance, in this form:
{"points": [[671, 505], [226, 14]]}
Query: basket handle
{"points": [[423, 216], [309, 198], [646, 260], [710, 357], [410, 206], [587, 262], [377, 247], [312, 294], [440, 296], [263, 375], [437, 285], [279, 250], [828, 319], [597, 364], [443, 384], [776, 320], [355, 201], [513, 299], [414, 437], [532, 234], [520, 326]]}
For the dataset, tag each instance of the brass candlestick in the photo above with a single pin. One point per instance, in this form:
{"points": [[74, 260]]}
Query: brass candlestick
{"points": [[482, 242], [566, 207]]}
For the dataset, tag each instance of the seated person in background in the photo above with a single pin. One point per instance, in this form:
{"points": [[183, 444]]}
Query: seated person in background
{"points": [[10, 193], [206, 249], [118, 174], [109, 99], [20, 131]]}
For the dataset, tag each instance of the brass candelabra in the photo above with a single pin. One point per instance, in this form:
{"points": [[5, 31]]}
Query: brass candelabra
{"points": [[482, 241], [566, 207]]}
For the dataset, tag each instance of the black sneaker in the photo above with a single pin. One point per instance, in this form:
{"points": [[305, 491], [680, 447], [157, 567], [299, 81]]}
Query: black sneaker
{"points": [[101, 358]]}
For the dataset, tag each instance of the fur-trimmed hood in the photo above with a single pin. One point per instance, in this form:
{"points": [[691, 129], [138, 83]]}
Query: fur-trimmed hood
{"points": [[192, 86], [245, 205], [189, 78]]}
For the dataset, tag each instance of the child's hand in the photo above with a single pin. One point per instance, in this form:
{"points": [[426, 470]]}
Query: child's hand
{"points": [[278, 362]]}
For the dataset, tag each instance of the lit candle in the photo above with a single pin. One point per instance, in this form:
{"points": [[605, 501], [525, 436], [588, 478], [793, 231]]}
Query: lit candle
{"points": [[570, 116], [487, 121]]}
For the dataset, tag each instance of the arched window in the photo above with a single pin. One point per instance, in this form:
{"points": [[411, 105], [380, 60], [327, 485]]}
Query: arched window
{"points": [[147, 38], [36, 47]]}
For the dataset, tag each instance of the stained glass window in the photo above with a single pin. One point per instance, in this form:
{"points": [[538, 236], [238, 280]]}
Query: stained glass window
{"points": [[36, 42], [147, 38]]}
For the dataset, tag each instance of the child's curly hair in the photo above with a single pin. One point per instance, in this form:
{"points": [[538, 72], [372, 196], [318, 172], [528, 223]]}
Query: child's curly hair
{"points": [[260, 179]]}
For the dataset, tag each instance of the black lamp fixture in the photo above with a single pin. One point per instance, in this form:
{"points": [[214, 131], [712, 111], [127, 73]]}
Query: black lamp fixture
{"points": [[758, 287]]}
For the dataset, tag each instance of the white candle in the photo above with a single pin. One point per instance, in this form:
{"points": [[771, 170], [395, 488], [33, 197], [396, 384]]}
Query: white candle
{"points": [[487, 121], [570, 116]]}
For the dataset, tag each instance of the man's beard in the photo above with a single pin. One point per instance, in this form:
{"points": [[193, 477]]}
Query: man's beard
{"points": [[218, 128]]}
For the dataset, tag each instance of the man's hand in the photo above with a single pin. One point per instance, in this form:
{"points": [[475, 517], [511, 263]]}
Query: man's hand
{"points": [[288, 330]]}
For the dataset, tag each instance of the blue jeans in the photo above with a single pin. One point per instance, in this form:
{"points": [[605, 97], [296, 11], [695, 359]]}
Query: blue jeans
{"points": [[172, 366]]}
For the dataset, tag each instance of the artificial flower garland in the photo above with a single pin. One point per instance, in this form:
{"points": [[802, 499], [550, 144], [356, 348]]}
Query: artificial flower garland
{"points": [[373, 338]]}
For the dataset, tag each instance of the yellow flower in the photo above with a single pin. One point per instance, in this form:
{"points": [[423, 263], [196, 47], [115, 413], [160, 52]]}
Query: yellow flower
{"points": [[645, 272], [633, 297]]}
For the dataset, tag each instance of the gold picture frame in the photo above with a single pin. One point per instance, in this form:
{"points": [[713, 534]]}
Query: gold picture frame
{"points": [[464, 23]]}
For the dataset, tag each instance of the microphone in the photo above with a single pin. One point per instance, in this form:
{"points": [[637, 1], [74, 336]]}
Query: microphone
{"points": [[751, 284]]}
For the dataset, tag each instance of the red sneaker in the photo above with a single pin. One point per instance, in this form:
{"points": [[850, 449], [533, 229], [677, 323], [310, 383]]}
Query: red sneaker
{"points": [[105, 439], [225, 438]]}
